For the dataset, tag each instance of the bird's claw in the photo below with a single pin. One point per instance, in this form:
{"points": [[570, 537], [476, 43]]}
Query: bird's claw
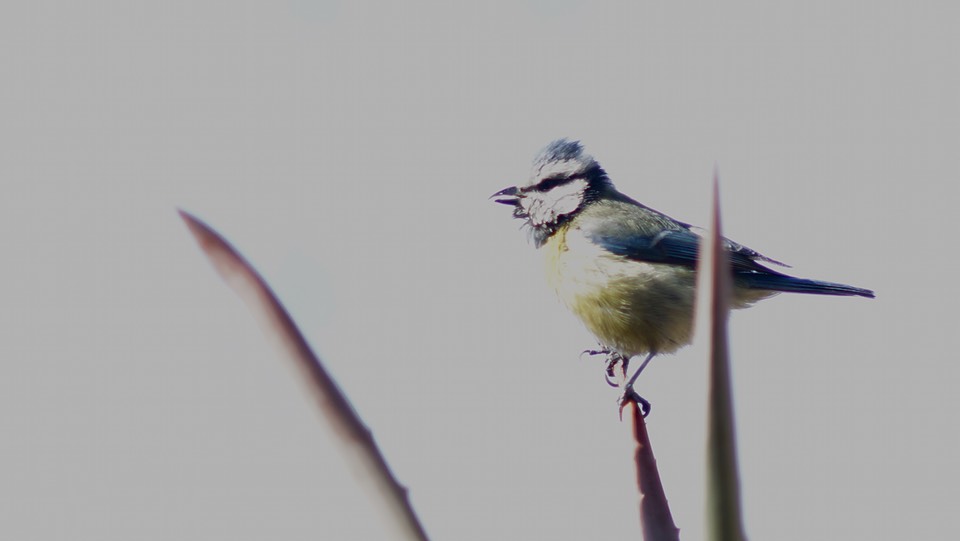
{"points": [[628, 396], [613, 359], [594, 352]]}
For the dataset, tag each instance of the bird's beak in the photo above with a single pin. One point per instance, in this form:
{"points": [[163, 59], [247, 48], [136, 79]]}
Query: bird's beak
{"points": [[508, 196]]}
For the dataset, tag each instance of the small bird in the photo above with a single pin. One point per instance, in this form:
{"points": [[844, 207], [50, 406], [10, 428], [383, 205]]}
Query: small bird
{"points": [[627, 271]]}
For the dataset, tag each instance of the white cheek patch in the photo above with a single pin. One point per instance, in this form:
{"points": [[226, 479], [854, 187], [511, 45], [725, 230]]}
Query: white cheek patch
{"points": [[547, 207], [566, 198]]}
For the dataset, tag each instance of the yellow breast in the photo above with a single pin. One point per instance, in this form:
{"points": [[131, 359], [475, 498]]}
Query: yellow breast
{"points": [[630, 306]]}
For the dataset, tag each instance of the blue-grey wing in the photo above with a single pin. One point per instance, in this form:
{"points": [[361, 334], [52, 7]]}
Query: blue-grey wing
{"points": [[679, 245], [675, 246]]}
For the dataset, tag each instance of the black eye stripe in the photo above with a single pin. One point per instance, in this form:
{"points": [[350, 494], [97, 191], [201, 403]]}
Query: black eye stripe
{"points": [[548, 184]]}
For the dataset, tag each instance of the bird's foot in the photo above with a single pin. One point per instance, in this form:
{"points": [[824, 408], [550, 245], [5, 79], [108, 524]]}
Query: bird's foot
{"points": [[629, 395], [613, 359]]}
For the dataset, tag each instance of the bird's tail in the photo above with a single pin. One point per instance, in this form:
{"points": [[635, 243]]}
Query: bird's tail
{"points": [[782, 282]]}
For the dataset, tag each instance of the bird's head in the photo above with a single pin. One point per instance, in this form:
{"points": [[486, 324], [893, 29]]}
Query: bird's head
{"points": [[563, 180]]}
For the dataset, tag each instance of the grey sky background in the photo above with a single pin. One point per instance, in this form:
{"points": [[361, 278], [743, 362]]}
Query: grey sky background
{"points": [[349, 149]]}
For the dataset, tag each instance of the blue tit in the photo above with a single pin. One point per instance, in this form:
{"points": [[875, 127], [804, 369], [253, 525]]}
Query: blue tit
{"points": [[627, 271]]}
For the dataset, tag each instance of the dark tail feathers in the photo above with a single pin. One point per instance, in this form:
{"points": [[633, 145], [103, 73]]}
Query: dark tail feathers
{"points": [[782, 282]]}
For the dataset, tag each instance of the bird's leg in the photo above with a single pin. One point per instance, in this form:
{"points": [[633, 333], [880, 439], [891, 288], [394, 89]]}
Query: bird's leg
{"points": [[633, 378], [629, 394]]}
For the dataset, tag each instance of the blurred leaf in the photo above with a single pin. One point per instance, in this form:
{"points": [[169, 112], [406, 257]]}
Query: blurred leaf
{"points": [[724, 518], [356, 441]]}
